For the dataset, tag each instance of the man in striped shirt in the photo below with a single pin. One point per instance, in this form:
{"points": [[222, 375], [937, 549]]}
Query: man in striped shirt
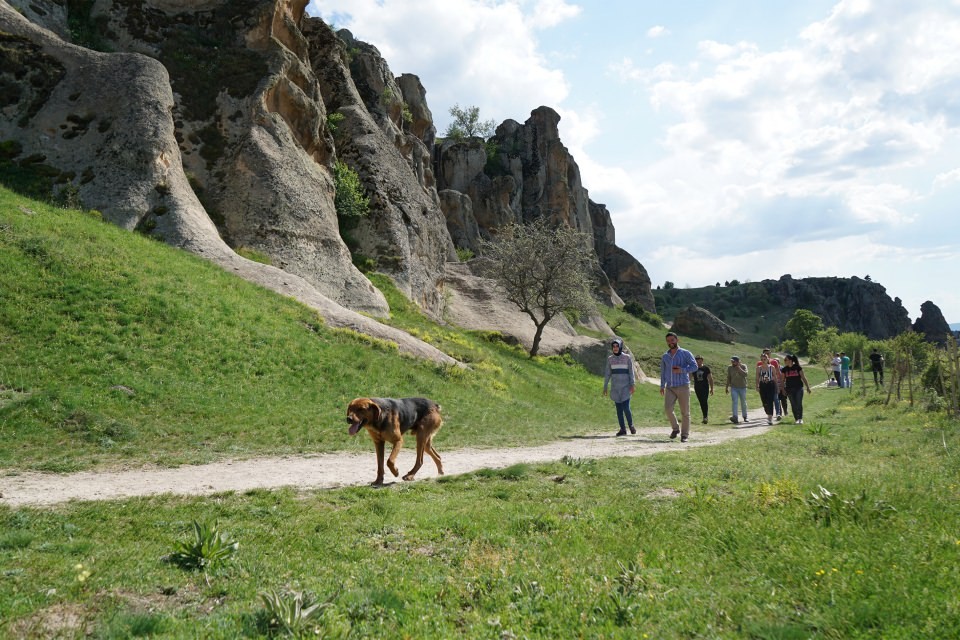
{"points": [[676, 365]]}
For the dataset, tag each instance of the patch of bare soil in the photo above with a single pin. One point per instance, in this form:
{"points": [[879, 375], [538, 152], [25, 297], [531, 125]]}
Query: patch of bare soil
{"points": [[329, 471]]}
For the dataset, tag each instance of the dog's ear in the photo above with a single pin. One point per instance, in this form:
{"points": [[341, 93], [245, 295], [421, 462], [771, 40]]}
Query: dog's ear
{"points": [[377, 411]]}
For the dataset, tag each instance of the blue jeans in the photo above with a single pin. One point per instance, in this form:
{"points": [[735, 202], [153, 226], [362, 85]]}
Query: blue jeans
{"points": [[845, 379], [741, 393], [623, 410]]}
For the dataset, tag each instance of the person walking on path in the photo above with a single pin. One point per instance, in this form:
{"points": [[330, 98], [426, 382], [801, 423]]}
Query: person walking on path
{"points": [[737, 387], [876, 363], [846, 383], [780, 401], [703, 386], [835, 365], [766, 381], [794, 380], [676, 365], [620, 378]]}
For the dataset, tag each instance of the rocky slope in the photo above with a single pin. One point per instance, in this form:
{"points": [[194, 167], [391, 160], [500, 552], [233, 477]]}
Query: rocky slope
{"points": [[216, 125]]}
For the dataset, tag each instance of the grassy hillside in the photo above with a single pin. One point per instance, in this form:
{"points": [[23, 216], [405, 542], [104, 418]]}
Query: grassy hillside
{"points": [[746, 307], [115, 349]]}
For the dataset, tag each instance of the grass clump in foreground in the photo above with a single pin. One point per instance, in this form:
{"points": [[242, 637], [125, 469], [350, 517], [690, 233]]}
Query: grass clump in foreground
{"points": [[722, 542]]}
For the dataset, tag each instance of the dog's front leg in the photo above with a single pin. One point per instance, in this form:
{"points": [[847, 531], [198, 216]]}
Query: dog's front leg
{"points": [[378, 445], [392, 461]]}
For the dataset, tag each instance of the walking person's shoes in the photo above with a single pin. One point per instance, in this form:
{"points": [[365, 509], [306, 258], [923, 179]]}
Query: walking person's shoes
{"points": [[800, 421], [632, 430], [622, 432], [744, 418], [734, 420], [769, 421], [704, 421], [674, 434], [684, 439]]}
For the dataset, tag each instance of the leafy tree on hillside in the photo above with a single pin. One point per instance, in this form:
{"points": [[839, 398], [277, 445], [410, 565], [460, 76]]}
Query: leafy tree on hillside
{"points": [[803, 327], [542, 271]]}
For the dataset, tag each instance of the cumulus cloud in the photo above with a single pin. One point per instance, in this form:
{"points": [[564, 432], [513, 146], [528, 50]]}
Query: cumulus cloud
{"points": [[482, 54], [550, 13], [658, 31]]}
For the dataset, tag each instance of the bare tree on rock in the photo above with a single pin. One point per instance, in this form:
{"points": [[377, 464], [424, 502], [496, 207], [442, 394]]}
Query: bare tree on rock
{"points": [[544, 271]]}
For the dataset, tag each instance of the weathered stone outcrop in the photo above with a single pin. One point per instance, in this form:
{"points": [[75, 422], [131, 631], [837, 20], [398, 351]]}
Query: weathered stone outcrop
{"points": [[626, 274], [102, 125], [697, 322], [532, 175], [932, 324], [850, 304], [406, 231], [216, 125]]}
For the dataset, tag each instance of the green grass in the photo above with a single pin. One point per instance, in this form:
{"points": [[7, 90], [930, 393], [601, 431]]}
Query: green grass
{"points": [[115, 349], [721, 542]]}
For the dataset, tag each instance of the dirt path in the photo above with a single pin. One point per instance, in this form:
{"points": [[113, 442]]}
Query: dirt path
{"points": [[329, 471]]}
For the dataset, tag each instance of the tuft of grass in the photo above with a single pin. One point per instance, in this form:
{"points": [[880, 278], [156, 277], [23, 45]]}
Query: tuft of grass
{"points": [[208, 549]]}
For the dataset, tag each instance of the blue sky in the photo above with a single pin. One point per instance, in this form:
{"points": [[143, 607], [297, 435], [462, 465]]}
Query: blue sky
{"points": [[732, 139]]}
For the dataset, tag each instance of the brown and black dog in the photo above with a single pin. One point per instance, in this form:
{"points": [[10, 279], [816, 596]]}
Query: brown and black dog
{"points": [[387, 419]]}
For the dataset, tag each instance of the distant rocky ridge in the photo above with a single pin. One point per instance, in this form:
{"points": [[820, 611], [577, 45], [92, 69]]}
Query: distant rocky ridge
{"points": [[849, 304], [208, 125]]}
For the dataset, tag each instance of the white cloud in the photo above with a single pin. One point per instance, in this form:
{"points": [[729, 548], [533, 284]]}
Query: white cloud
{"points": [[550, 13], [482, 54], [948, 178], [658, 31]]}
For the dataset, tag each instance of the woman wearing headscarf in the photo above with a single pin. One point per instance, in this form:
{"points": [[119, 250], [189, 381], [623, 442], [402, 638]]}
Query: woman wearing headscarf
{"points": [[620, 379]]}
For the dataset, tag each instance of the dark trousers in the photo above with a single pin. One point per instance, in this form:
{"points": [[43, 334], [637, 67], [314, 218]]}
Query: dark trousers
{"points": [[796, 402], [623, 411], [878, 375], [768, 395], [703, 393], [836, 376]]}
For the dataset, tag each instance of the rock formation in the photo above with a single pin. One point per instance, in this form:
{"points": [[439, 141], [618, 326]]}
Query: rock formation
{"points": [[216, 126], [850, 304], [531, 175], [697, 322], [932, 324]]}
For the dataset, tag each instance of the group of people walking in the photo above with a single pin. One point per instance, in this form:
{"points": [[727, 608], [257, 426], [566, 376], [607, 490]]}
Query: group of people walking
{"points": [[776, 384]]}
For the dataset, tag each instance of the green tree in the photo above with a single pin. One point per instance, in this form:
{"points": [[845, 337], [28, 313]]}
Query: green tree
{"points": [[350, 199], [823, 345], [542, 271], [802, 327], [467, 124]]}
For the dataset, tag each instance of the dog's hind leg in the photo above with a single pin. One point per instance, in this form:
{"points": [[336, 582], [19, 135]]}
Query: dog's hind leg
{"points": [[433, 454], [423, 441]]}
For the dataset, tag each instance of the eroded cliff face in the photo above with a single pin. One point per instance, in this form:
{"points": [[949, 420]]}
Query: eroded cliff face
{"points": [[850, 304], [383, 136], [532, 175], [215, 126]]}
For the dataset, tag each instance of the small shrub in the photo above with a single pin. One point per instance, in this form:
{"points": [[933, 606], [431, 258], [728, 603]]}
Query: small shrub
{"points": [[776, 493], [828, 508], [209, 548], [293, 612], [464, 255], [334, 120]]}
